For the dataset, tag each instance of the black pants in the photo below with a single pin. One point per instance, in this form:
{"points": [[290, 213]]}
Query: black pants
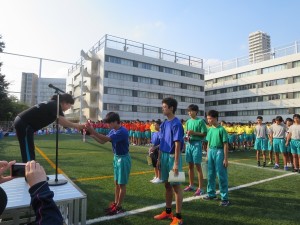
{"points": [[25, 136], [154, 157]]}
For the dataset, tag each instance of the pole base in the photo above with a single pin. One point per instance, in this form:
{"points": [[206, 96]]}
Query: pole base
{"points": [[57, 182]]}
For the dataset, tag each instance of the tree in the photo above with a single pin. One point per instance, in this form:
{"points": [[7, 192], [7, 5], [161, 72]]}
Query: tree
{"points": [[4, 101], [3, 84], [10, 107]]}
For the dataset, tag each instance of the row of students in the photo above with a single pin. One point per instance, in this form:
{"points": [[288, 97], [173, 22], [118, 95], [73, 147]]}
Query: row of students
{"points": [[279, 138]]}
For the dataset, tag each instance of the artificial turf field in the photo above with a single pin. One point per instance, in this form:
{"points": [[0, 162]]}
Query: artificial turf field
{"points": [[89, 165]]}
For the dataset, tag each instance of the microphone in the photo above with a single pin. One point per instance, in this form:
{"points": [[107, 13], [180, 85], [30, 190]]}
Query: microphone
{"points": [[56, 88]]}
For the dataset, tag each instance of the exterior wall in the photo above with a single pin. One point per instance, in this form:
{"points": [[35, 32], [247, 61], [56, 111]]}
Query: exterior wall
{"points": [[103, 92], [45, 92], [29, 88], [269, 92]]}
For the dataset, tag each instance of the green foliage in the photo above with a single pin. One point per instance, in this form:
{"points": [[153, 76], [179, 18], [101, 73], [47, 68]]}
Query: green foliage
{"points": [[10, 107]]}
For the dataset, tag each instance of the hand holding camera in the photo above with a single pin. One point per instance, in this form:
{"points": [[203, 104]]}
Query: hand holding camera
{"points": [[34, 173], [4, 166]]}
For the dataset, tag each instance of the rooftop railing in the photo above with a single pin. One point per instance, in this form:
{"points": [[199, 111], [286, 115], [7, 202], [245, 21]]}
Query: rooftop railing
{"points": [[275, 53], [109, 41]]}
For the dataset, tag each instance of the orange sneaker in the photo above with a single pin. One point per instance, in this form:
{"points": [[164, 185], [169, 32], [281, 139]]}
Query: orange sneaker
{"points": [[176, 221], [163, 216]]}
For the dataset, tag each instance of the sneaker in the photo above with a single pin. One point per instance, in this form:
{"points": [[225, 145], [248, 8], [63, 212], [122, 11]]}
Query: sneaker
{"points": [[154, 178], [210, 198], [264, 164], [176, 221], [276, 166], [258, 164], [199, 192], [115, 210], [189, 188], [110, 207], [157, 181], [163, 216], [224, 203], [286, 168], [295, 170]]}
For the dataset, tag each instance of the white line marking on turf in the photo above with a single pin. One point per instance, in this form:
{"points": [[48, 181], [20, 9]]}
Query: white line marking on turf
{"points": [[263, 168], [162, 205]]}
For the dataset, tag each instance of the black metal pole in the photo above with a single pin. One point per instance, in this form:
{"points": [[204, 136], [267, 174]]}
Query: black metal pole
{"points": [[57, 182], [56, 153]]}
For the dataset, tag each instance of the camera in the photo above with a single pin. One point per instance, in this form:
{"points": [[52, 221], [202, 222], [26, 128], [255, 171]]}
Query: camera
{"points": [[18, 170]]}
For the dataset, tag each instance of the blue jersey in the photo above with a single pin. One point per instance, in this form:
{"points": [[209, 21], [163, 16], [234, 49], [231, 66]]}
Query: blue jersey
{"points": [[155, 139], [119, 141], [171, 131]]}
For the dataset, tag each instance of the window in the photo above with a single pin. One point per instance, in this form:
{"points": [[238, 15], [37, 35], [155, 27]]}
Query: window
{"points": [[222, 79], [177, 97], [296, 64], [121, 61], [273, 68], [119, 91], [118, 107], [147, 109], [209, 82], [171, 84], [297, 79], [147, 80], [247, 74], [148, 66], [296, 94], [194, 100], [222, 102], [194, 87], [127, 108], [119, 76], [171, 71], [112, 107], [269, 83], [144, 94], [192, 75]]}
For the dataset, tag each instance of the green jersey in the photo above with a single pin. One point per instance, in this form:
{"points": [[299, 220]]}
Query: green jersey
{"points": [[216, 136], [197, 125]]}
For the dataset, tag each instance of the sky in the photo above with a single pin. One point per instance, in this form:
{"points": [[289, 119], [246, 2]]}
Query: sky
{"points": [[214, 30]]}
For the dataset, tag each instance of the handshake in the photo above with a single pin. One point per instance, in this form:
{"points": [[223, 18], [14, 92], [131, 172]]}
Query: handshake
{"points": [[88, 129]]}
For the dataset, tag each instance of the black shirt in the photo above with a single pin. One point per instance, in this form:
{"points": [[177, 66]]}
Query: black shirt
{"points": [[41, 115]]}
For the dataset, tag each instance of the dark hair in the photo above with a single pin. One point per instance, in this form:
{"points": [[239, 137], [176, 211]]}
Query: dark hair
{"points": [[112, 117], [158, 122], [170, 102], [66, 98], [279, 118], [296, 115], [259, 118], [289, 119], [193, 107], [213, 113]]}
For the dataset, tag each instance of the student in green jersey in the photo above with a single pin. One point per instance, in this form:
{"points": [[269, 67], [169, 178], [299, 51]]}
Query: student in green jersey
{"points": [[195, 132], [217, 153]]}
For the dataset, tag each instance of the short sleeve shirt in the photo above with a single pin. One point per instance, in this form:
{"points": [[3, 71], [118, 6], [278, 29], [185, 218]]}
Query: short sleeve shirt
{"points": [[197, 125], [216, 136], [119, 141], [171, 132]]}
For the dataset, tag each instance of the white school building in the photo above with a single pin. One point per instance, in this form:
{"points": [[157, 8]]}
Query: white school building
{"points": [[244, 88], [132, 78]]}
